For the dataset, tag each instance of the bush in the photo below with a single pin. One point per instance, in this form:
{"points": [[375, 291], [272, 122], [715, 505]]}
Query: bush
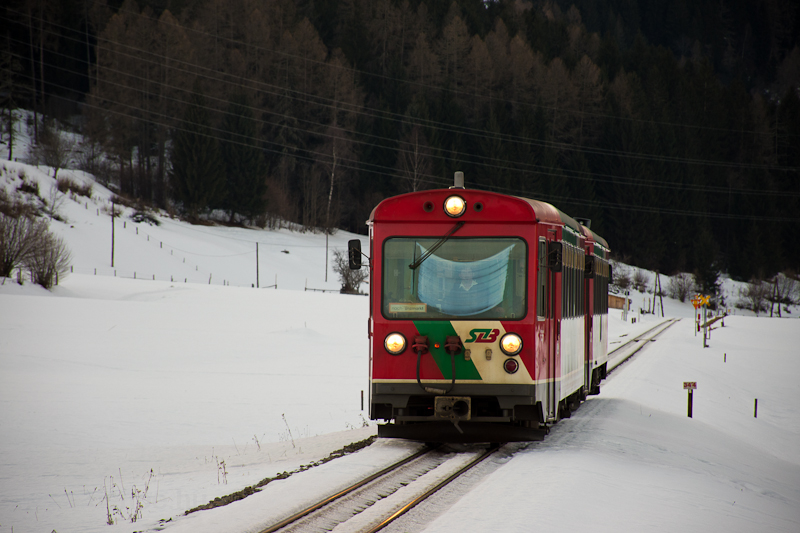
{"points": [[351, 279], [120, 199], [680, 285], [19, 237], [622, 277], [49, 259], [755, 295], [66, 184], [640, 281], [29, 187]]}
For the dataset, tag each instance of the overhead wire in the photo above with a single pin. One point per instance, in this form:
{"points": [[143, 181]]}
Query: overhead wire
{"points": [[354, 71], [436, 180], [360, 164], [430, 123], [459, 156], [355, 164], [453, 129]]}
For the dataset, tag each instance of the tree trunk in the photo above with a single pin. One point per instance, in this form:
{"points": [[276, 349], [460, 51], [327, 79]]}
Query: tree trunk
{"points": [[33, 77], [330, 191]]}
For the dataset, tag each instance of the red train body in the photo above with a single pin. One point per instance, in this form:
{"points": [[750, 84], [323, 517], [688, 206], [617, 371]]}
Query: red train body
{"points": [[487, 323]]}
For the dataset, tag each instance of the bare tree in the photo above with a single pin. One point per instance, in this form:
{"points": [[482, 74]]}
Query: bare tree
{"points": [[755, 295], [640, 280], [560, 95], [48, 260], [784, 291], [54, 201], [622, 277], [680, 285], [423, 66], [337, 152], [414, 158], [333, 158], [588, 81], [454, 47], [53, 149], [351, 279]]}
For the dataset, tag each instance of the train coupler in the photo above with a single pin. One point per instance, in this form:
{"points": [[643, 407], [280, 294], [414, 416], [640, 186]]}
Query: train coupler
{"points": [[453, 408]]}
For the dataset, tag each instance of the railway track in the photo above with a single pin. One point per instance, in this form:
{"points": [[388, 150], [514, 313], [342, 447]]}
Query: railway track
{"points": [[619, 355], [378, 500]]}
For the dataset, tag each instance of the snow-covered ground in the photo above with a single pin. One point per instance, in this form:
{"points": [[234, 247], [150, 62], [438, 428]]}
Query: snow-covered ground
{"points": [[131, 398]]}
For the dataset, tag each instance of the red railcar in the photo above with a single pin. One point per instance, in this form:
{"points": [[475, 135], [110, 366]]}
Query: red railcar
{"points": [[597, 274], [479, 329]]}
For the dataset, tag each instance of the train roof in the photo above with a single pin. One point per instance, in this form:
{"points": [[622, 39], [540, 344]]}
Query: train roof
{"points": [[395, 209], [594, 236], [528, 210]]}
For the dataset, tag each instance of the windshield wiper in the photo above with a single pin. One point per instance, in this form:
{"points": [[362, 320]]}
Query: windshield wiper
{"points": [[433, 248]]}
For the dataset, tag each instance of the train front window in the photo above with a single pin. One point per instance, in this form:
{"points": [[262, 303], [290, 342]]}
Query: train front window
{"points": [[465, 278]]}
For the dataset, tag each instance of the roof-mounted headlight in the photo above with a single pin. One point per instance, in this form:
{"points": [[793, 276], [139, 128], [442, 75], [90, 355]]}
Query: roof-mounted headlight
{"points": [[455, 206]]}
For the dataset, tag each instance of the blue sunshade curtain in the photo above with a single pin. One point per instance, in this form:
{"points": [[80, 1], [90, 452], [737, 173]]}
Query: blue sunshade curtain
{"points": [[463, 288]]}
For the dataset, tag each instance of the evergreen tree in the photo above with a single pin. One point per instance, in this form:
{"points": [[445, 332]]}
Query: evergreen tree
{"points": [[198, 179], [243, 161]]}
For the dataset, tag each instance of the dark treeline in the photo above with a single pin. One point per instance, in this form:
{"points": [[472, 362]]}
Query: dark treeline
{"points": [[673, 124]]}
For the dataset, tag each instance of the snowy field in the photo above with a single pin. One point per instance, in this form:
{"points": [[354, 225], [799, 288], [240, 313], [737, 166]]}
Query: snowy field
{"points": [[126, 398]]}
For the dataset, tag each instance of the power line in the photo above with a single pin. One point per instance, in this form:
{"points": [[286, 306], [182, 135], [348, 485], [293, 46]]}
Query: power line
{"points": [[355, 164], [353, 72], [482, 134], [438, 181], [566, 174], [372, 112]]}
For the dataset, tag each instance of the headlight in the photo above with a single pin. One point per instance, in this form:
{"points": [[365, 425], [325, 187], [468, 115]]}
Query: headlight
{"points": [[395, 343], [511, 344], [455, 206]]}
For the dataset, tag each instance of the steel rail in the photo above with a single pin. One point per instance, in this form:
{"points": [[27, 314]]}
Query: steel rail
{"points": [[639, 338], [344, 492], [419, 499]]}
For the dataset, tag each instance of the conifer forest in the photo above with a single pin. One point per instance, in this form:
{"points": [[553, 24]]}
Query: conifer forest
{"points": [[674, 125]]}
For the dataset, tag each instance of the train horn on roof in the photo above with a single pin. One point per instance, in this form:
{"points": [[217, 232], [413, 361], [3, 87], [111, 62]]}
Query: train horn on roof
{"points": [[458, 180]]}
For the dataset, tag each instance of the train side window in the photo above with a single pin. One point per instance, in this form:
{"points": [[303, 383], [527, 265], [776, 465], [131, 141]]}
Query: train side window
{"points": [[565, 278]]}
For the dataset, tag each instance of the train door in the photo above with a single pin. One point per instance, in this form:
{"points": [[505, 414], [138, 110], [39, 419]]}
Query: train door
{"points": [[548, 329], [588, 302]]}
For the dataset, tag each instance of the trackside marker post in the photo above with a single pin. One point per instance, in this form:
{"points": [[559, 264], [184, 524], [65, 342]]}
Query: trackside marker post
{"points": [[690, 386]]}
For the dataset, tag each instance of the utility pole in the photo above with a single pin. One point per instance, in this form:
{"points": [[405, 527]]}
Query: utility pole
{"points": [[112, 233], [659, 293], [257, 283]]}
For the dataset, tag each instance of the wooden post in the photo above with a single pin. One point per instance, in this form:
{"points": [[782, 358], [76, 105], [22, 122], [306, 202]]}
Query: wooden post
{"points": [[258, 285], [690, 386], [755, 409]]}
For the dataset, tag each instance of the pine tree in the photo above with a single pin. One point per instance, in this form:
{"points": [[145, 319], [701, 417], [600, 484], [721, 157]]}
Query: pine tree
{"points": [[198, 179], [243, 161]]}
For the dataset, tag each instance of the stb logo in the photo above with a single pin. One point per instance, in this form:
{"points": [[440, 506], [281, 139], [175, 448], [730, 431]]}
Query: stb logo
{"points": [[483, 335]]}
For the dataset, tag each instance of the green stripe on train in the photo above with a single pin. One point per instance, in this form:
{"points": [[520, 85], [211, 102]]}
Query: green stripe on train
{"points": [[438, 331]]}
